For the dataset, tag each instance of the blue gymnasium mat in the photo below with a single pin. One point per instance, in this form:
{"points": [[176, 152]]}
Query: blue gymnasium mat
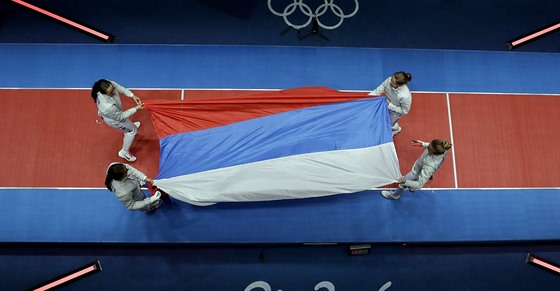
{"points": [[274, 67], [95, 215]]}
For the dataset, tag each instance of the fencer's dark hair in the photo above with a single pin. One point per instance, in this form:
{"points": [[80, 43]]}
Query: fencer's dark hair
{"points": [[100, 86], [115, 172], [440, 146], [402, 78]]}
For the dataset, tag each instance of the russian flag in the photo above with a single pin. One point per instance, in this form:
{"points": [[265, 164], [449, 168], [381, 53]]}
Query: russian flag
{"points": [[288, 144]]}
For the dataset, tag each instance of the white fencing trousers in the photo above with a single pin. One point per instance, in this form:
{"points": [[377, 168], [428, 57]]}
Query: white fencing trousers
{"points": [[394, 117], [410, 176], [129, 130]]}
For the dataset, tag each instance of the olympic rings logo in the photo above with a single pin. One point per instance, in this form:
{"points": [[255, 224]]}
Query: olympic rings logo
{"points": [[320, 11]]}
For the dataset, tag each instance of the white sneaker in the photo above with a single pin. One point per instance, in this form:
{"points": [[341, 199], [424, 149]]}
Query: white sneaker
{"points": [[137, 123], [127, 156], [390, 195]]}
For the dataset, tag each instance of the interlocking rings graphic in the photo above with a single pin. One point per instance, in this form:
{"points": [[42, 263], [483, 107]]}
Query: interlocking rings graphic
{"points": [[320, 11]]}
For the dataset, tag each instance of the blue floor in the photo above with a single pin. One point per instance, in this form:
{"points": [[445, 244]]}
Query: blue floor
{"points": [[265, 67], [439, 216]]}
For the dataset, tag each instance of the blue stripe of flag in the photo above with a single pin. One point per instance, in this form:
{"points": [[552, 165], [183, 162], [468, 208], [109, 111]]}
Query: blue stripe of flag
{"points": [[337, 126]]}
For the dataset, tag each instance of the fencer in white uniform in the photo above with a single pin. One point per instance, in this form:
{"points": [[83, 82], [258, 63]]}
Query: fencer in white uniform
{"points": [[110, 109], [398, 95], [423, 169], [125, 181]]}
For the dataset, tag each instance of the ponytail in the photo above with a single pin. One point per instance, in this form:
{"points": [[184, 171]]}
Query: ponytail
{"points": [[408, 77], [108, 181]]}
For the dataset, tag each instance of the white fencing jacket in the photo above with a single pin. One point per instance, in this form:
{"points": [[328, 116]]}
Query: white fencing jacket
{"points": [[110, 107], [424, 168], [400, 99], [128, 189]]}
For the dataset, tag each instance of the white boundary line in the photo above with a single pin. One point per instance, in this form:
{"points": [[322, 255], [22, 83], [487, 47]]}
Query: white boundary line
{"points": [[262, 89], [452, 140], [488, 93]]}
